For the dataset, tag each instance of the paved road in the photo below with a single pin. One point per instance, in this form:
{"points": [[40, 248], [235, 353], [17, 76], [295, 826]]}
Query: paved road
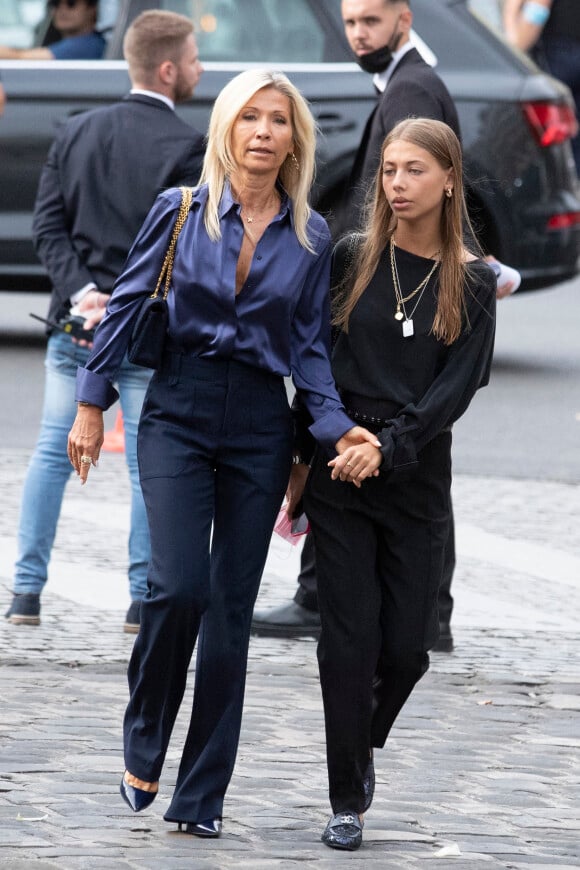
{"points": [[484, 761]]}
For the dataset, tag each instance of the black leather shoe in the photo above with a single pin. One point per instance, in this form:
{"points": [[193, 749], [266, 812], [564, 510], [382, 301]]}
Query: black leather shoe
{"points": [[344, 831], [289, 620], [24, 609], [445, 641], [137, 798], [133, 618], [369, 782], [207, 828]]}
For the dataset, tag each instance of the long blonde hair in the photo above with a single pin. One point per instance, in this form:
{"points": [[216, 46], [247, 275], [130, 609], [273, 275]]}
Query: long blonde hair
{"points": [[441, 142], [296, 173]]}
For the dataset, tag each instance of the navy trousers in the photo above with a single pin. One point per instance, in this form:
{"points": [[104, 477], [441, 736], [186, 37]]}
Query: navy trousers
{"points": [[379, 558], [215, 452]]}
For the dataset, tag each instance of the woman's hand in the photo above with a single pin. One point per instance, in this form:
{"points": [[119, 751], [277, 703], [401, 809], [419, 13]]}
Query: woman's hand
{"points": [[296, 486], [355, 464], [85, 439], [356, 435]]}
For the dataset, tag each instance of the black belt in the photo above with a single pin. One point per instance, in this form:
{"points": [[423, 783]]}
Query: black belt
{"points": [[372, 413], [367, 411]]}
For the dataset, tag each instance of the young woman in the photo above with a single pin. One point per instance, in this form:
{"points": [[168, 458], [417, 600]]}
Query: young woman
{"points": [[415, 314], [247, 306]]}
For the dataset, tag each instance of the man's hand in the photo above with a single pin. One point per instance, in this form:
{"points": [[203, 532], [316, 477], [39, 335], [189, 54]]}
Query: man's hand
{"points": [[296, 485], [92, 307]]}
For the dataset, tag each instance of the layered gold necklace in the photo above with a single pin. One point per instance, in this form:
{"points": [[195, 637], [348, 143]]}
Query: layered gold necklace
{"points": [[401, 311]]}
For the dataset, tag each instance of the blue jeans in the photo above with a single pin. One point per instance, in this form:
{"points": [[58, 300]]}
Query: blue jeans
{"points": [[50, 469]]}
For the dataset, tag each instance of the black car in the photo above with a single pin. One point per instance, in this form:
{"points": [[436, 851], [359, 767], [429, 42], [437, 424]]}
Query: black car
{"points": [[516, 122]]}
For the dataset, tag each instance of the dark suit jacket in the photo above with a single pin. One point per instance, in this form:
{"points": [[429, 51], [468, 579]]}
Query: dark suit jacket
{"points": [[413, 90], [102, 175]]}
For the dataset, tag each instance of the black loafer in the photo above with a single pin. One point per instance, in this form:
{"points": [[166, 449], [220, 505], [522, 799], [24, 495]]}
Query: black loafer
{"points": [[344, 831], [206, 828], [444, 642], [369, 782], [289, 620]]}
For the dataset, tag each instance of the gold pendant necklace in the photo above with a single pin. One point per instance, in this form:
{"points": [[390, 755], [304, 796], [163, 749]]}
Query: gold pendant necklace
{"points": [[400, 311], [250, 219]]}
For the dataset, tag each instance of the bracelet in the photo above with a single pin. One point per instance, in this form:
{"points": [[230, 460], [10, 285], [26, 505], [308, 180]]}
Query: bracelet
{"points": [[535, 13], [84, 404]]}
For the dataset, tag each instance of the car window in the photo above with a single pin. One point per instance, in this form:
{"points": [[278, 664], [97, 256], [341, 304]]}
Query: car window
{"points": [[19, 20], [489, 11], [473, 48], [25, 23], [261, 31]]}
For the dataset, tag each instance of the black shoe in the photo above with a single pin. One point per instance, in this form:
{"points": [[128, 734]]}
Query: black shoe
{"points": [[289, 620], [133, 618], [25, 609], [445, 641], [207, 828], [344, 831], [369, 782]]}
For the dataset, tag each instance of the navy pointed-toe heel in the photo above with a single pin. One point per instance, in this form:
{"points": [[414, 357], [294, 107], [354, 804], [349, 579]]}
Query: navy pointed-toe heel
{"points": [[206, 828], [137, 798]]}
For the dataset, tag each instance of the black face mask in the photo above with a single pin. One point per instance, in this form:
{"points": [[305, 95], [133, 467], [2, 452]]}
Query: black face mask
{"points": [[378, 60]]}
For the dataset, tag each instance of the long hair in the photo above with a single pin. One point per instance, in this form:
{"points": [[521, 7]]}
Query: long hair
{"points": [[381, 223], [296, 173]]}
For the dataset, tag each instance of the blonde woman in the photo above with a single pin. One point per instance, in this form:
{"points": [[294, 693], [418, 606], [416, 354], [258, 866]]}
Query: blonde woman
{"points": [[415, 319], [248, 305]]}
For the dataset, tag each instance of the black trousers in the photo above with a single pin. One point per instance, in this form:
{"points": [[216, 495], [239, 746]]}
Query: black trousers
{"points": [[215, 452], [307, 592], [379, 558]]}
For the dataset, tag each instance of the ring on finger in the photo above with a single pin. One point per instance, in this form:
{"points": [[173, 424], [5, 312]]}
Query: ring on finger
{"points": [[86, 460]]}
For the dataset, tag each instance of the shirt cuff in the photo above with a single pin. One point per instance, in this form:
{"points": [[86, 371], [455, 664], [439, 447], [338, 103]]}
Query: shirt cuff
{"points": [[331, 427], [95, 389], [80, 294]]}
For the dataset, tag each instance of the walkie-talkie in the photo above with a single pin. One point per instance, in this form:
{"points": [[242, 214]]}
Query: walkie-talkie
{"points": [[73, 326]]}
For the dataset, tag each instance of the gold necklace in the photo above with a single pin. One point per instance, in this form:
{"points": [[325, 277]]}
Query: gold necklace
{"points": [[400, 311], [250, 219]]}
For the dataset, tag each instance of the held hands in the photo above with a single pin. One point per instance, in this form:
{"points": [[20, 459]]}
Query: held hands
{"points": [[85, 440], [359, 456]]}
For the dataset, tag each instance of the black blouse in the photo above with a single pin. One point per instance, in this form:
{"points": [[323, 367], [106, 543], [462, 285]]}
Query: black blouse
{"points": [[427, 384]]}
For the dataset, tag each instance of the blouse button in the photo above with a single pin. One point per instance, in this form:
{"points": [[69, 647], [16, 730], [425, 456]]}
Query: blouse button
{"points": [[259, 257]]}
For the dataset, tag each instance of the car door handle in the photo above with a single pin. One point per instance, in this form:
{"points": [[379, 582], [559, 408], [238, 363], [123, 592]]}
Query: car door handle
{"points": [[330, 123]]}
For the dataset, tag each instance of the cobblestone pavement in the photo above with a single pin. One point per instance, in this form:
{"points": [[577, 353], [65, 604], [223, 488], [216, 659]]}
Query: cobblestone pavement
{"points": [[483, 766]]}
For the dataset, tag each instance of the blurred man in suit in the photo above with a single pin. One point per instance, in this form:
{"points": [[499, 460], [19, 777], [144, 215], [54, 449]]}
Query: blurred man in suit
{"points": [[102, 175]]}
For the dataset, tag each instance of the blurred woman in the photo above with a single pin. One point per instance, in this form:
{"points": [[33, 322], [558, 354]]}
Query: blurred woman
{"points": [[248, 306]]}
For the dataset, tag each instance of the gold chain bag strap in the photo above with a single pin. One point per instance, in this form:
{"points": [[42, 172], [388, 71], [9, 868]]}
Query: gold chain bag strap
{"points": [[150, 331]]}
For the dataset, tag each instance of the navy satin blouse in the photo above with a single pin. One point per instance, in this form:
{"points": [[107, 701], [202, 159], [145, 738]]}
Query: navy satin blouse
{"points": [[280, 320]]}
